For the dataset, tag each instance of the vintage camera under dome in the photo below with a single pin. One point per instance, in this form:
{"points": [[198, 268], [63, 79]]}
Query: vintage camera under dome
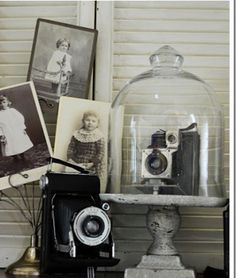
{"points": [[76, 225], [173, 159], [157, 158], [166, 132]]}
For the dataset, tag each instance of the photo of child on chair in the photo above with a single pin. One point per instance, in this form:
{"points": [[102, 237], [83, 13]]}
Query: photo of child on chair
{"points": [[61, 61], [59, 69]]}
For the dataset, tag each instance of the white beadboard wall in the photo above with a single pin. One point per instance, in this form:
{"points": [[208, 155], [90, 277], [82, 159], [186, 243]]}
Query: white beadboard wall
{"points": [[128, 33], [199, 30]]}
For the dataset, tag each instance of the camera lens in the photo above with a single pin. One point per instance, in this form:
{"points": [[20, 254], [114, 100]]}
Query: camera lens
{"points": [[93, 226], [156, 163]]}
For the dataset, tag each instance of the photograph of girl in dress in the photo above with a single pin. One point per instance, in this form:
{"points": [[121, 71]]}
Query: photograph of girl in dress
{"points": [[61, 61], [13, 136], [82, 136], [24, 141]]}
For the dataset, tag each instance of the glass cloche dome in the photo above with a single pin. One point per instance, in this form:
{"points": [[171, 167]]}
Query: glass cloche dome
{"points": [[166, 133]]}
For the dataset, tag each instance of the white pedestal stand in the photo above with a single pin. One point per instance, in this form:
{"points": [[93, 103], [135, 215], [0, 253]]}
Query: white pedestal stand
{"points": [[163, 221], [162, 259]]}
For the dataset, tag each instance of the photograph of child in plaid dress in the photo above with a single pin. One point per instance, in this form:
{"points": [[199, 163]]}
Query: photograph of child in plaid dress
{"points": [[87, 146]]}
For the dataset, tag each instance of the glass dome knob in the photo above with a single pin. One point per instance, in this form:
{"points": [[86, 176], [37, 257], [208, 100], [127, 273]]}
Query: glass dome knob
{"points": [[166, 56]]}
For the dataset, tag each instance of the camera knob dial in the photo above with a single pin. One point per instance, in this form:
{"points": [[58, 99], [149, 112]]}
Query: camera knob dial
{"points": [[105, 206], [43, 182]]}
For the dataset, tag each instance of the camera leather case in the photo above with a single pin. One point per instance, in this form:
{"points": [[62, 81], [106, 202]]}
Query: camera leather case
{"points": [[76, 229]]}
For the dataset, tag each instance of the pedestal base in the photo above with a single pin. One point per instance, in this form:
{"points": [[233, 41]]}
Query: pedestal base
{"points": [[163, 221], [153, 266], [151, 273]]}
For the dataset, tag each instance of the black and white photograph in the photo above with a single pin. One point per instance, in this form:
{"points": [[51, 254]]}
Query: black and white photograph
{"points": [[24, 142], [61, 61], [82, 135]]}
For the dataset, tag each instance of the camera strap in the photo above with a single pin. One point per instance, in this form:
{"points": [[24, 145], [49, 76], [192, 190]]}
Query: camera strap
{"points": [[65, 163]]}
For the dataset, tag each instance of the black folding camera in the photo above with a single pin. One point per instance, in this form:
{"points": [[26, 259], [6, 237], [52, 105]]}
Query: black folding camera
{"points": [[76, 229], [172, 161]]}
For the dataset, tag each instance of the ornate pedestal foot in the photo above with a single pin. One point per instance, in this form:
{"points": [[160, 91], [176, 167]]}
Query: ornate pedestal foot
{"points": [[162, 259]]}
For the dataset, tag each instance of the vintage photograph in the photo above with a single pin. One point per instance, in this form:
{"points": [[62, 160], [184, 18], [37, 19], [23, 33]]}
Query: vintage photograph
{"points": [[82, 136], [24, 142], [61, 61]]}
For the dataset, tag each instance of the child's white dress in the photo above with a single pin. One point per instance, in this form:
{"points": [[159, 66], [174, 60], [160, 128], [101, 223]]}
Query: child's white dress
{"points": [[54, 67], [12, 126]]}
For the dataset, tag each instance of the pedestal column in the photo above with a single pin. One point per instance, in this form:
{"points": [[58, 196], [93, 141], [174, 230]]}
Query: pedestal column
{"points": [[162, 259]]}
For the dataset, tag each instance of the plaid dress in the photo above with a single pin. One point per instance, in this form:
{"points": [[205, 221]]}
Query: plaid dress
{"points": [[88, 147]]}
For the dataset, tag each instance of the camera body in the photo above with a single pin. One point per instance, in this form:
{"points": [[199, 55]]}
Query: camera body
{"points": [[157, 159], [172, 161], [76, 229]]}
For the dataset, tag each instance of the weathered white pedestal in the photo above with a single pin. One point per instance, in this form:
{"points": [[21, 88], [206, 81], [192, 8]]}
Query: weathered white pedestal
{"points": [[162, 259], [163, 221]]}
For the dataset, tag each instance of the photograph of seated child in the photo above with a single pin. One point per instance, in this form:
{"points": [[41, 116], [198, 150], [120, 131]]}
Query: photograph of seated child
{"points": [[59, 66], [14, 139], [87, 146]]}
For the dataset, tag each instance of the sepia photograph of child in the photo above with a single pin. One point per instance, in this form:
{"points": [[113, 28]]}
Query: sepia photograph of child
{"points": [[82, 136], [61, 61], [24, 142]]}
